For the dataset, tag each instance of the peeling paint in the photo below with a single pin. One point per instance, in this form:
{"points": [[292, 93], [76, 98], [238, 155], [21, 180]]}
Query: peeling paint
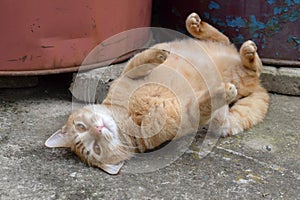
{"points": [[239, 39], [288, 2], [255, 25], [293, 17], [215, 20], [213, 5], [271, 1], [272, 24], [206, 15], [259, 38], [235, 22], [221, 23], [277, 10], [294, 41]]}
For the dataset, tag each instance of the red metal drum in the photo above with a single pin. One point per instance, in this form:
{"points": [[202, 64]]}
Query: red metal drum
{"points": [[44, 37]]}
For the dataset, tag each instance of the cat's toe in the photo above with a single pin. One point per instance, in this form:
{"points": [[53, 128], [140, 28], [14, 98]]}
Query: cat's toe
{"points": [[161, 55], [193, 21], [249, 49], [231, 92]]}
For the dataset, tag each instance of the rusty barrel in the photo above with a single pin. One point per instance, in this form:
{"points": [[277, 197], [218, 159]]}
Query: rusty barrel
{"points": [[46, 37]]}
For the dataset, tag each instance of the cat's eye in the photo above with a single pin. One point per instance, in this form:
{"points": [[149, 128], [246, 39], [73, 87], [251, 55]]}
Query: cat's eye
{"points": [[80, 127], [97, 149]]}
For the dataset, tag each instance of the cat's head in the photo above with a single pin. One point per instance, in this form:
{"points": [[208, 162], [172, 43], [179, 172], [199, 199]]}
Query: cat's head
{"points": [[92, 134]]}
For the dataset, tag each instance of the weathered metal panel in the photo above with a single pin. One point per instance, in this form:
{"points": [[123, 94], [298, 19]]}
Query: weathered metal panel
{"points": [[274, 25], [41, 36]]}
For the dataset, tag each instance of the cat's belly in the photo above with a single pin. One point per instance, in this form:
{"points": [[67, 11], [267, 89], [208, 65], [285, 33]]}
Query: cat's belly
{"points": [[151, 97], [156, 109]]}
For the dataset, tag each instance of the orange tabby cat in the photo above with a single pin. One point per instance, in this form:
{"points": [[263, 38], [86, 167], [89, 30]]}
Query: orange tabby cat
{"points": [[166, 92]]}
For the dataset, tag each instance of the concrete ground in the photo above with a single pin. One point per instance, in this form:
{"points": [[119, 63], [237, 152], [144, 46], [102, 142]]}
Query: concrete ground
{"points": [[262, 163]]}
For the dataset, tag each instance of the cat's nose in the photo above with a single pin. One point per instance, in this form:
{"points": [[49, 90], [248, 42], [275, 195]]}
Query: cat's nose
{"points": [[99, 128]]}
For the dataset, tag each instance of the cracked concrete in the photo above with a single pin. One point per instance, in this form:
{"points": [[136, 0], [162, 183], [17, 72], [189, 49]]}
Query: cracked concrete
{"points": [[262, 163]]}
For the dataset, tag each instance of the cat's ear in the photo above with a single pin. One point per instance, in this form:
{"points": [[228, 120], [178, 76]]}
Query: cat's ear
{"points": [[112, 169], [59, 139]]}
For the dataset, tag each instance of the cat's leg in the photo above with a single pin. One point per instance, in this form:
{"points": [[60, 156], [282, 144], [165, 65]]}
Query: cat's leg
{"points": [[205, 102], [244, 114], [204, 31], [143, 63], [250, 58], [219, 123], [248, 111]]}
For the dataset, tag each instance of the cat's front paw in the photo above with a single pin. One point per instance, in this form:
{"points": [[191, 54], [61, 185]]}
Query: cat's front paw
{"points": [[158, 55], [231, 92], [162, 55], [193, 22], [248, 50]]}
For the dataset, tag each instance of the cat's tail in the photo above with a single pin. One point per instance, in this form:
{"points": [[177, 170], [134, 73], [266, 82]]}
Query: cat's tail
{"points": [[248, 111]]}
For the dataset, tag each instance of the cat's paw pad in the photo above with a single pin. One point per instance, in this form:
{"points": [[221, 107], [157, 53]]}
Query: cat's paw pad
{"points": [[159, 55], [231, 92], [193, 21], [162, 55], [249, 49]]}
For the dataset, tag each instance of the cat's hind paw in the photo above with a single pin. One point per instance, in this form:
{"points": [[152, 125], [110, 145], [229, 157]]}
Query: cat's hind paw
{"points": [[248, 50], [220, 124], [250, 58], [194, 22]]}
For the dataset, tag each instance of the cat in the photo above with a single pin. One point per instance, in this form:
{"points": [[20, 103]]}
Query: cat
{"points": [[105, 135]]}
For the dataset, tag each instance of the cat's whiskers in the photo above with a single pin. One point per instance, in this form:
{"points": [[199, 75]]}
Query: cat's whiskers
{"points": [[129, 148], [120, 150]]}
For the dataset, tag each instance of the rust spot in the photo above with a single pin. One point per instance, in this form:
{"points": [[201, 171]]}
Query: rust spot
{"points": [[94, 23], [12, 60], [47, 46], [24, 58]]}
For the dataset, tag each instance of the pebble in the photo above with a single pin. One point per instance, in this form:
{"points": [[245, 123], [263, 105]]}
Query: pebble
{"points": [[268, 148], [73, 174]]}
